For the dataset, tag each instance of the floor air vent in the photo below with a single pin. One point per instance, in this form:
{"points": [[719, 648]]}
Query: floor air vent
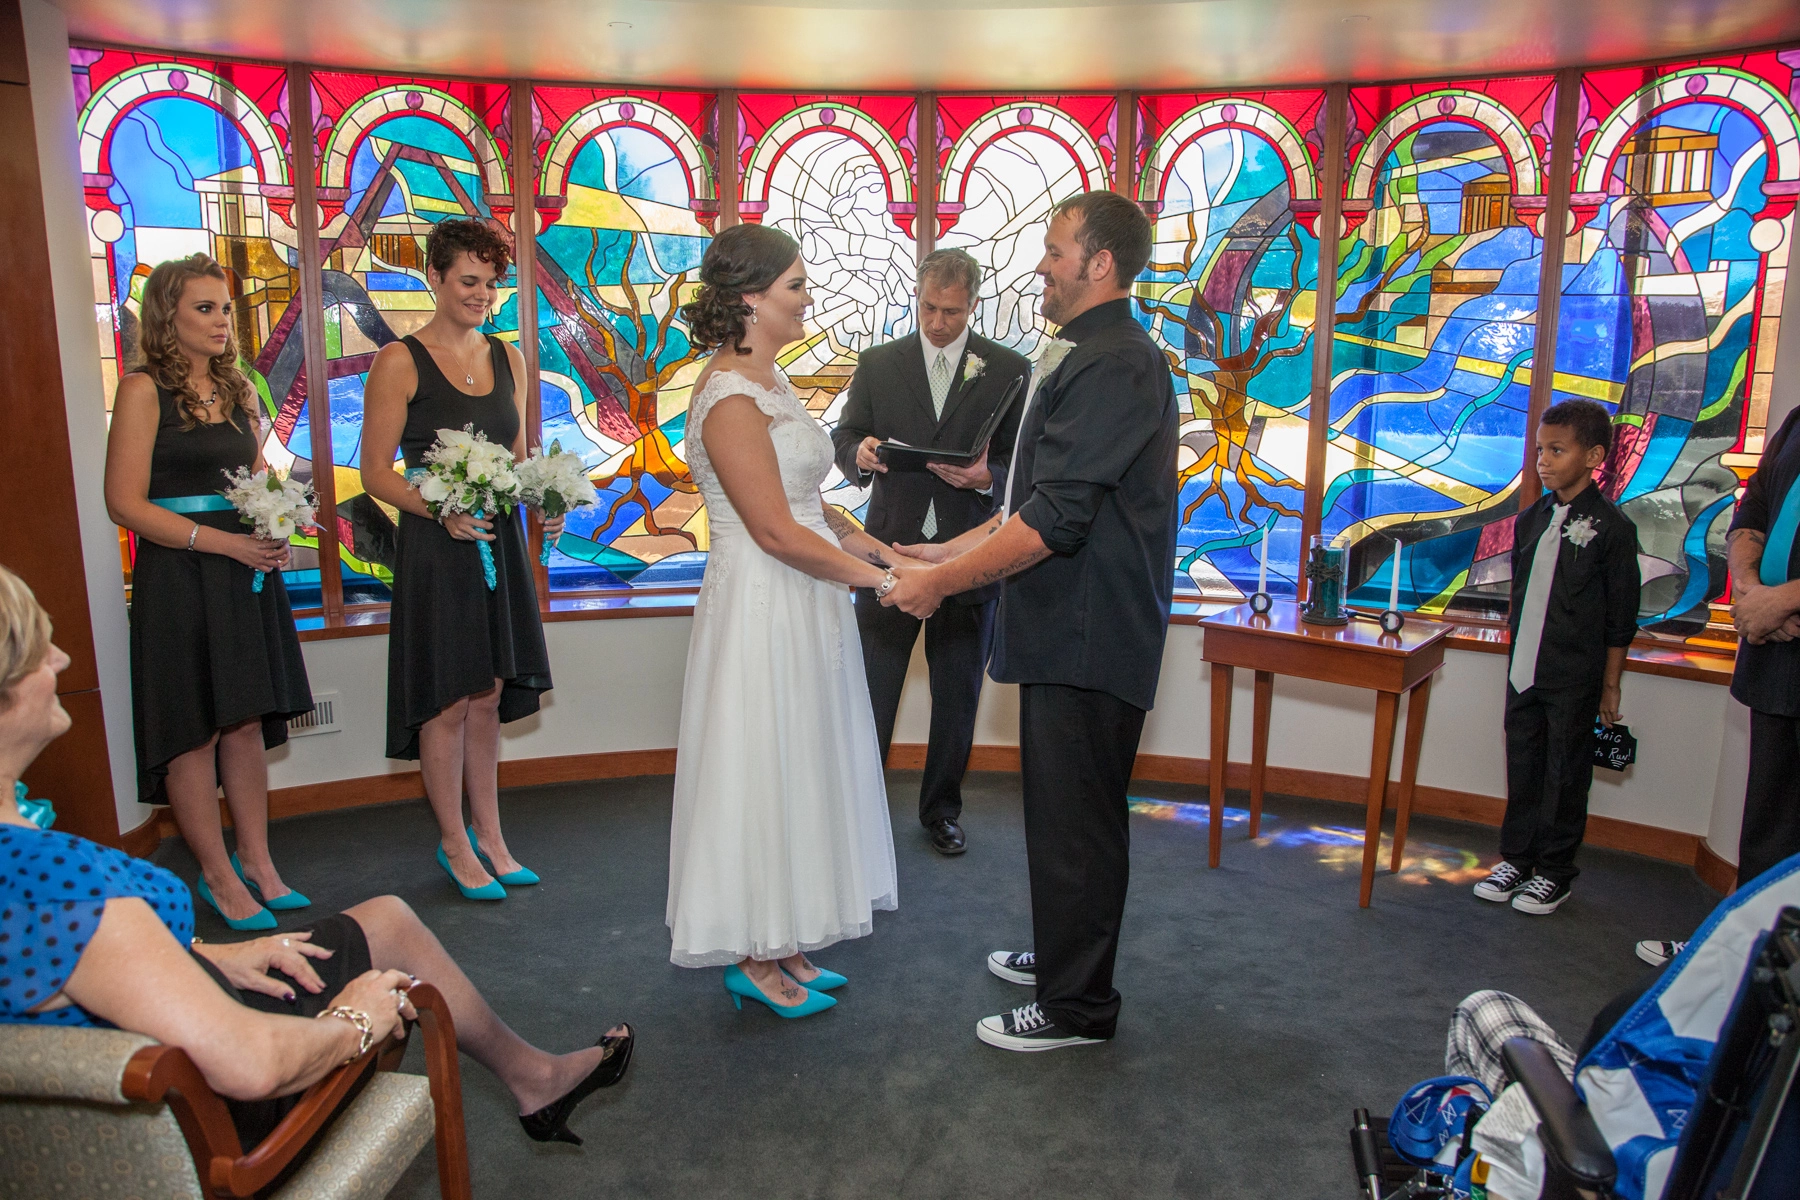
{"points": [[322, 718]]}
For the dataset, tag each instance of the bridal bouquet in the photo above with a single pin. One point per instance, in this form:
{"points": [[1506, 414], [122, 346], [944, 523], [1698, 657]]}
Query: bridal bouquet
{"points": [[466, 473], [277, 506], [554, 484]]}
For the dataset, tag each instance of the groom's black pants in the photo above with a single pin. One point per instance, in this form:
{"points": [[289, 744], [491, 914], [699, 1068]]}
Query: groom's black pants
{"points": [[1076, 750]]}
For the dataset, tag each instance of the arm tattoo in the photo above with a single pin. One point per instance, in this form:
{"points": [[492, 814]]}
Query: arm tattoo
{"points": [[1754, 536], [841, 525]]}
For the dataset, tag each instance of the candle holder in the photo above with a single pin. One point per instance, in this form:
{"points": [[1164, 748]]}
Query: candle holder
{"points": [[1328, 570], [1261, 603]]}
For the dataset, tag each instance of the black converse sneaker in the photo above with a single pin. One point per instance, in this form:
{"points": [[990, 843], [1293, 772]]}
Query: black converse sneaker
{"points": [[1027, 1029], [1658, 954], [1501, 883], [1540, 897], [1014, 968]]}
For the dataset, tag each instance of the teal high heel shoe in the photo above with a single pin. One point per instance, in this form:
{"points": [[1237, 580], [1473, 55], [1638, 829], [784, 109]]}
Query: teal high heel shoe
{"points": [[523, 877], [826, 980], [292, 900], [741, 986], [487, 891], [255, 923]]}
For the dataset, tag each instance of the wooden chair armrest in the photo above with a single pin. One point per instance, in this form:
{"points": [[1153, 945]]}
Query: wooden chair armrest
{"points": [[445, 1072]]}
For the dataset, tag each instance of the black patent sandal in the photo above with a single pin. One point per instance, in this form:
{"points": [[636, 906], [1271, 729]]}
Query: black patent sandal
{"points": [[550, 1123]]}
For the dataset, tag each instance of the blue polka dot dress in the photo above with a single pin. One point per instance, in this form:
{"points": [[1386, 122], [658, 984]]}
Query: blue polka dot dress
{"points": [[53, 892]]}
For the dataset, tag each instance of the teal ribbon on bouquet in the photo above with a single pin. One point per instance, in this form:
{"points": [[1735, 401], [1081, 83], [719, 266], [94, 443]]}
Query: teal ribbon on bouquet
{"points": [[1779, 549], [199, 504], [413, 476]]}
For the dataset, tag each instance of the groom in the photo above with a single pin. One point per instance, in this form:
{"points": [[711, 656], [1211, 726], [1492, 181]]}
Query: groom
{"points": [[1086, 546]]}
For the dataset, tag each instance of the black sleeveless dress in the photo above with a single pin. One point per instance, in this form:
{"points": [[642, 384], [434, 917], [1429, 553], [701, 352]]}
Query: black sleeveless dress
{"points": [[206, 652], [448, 635]]}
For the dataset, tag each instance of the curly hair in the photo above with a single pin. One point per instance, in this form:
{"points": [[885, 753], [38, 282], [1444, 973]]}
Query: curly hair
{"points": [[744, 260], [479, 239], [24, 634], [163, 359], [1591, 424]]}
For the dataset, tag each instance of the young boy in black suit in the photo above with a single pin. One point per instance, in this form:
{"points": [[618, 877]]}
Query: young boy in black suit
{"points": [[1575, 588]]}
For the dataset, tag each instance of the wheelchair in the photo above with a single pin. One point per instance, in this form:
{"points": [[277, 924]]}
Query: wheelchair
{"points": [[1742, 1138]]}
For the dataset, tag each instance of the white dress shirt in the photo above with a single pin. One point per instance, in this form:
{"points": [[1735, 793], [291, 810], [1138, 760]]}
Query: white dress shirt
{"points": [[954, 350]]}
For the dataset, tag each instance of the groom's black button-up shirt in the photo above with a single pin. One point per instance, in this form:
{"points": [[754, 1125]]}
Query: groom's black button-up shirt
{"points": [[1095, 476]]}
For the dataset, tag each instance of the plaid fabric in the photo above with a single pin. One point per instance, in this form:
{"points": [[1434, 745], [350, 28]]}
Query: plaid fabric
{"points": [[1480, 1026]]}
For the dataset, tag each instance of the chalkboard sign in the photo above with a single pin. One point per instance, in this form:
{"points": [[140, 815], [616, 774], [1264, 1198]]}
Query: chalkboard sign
{"points": [[1615, 748]]}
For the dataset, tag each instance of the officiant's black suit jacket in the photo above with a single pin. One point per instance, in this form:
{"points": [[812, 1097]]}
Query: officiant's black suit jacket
{"points": [[890, 398]]}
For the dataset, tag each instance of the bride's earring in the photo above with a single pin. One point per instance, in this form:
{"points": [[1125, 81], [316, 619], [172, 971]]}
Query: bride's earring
{"points": [[753, 314]]}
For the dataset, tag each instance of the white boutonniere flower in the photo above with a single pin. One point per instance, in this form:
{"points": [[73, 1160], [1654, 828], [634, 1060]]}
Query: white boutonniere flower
{"points": [[1581, 531], [973, 366], [1050, 356]]}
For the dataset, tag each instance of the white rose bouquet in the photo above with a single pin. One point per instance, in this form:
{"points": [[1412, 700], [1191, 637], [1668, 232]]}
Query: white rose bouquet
{"points": [[276, 505], [555, 483], [466, 473]]}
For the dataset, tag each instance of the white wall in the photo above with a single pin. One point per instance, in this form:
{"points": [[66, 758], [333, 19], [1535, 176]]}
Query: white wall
{"points": [[72, 289]]}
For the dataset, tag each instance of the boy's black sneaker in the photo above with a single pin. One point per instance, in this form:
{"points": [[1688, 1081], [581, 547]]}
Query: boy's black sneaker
{"points": [[1540, 897], [1501, 883], [1015, 968], [1027, 1029]]}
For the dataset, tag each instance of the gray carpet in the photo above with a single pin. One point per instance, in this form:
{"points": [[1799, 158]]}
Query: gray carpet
{"points": [[1261, 1005]]}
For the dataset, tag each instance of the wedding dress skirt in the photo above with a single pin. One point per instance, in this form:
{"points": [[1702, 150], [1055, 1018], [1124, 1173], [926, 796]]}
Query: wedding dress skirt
{"points": [[780, 840]]}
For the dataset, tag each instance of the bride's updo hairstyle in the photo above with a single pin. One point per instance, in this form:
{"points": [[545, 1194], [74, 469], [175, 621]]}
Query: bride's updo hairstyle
{"points": [[745, 259]]}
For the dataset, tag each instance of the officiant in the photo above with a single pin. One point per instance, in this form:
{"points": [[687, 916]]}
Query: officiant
{"points": [[935, 388]]}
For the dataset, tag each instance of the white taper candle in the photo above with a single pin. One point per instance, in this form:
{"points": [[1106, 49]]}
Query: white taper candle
{"points": [[1394, 585], [1262, 578]]}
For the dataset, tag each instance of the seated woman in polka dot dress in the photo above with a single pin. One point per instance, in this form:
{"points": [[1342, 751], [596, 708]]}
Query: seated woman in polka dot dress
{"points": [[91, 936]]}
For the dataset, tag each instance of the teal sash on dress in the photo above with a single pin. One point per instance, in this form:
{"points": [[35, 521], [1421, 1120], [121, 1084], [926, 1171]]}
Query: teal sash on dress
{"points": [[194, 504], [1779, 549]]}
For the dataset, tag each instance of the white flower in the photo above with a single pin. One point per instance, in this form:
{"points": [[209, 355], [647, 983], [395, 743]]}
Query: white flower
{"points": [[461, 439], [555, 483], [433, 489], [973, 367], [1581, 531], [1051, 354], [274, 505]]}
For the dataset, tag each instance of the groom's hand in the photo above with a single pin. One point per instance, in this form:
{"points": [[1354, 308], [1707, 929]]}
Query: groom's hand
{"points": [[913, 592], [925, 552]]}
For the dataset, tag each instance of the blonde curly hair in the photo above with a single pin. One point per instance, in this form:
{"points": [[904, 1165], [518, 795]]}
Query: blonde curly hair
{"points": [[161, 352], [24, 634]]}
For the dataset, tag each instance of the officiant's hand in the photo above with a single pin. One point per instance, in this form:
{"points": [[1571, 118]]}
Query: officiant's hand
{"points": [[913, 592], [866, 460], [466, 528], [975, 477]]}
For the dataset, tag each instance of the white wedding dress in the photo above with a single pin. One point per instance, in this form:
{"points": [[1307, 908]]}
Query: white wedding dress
{"points": [[780, 840]]}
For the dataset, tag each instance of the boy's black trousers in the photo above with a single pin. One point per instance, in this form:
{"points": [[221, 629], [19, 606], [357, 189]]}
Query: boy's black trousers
{"points": [[1549, 767]]}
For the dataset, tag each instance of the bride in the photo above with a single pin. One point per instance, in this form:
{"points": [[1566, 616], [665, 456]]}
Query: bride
{"points": [[780, 842]]}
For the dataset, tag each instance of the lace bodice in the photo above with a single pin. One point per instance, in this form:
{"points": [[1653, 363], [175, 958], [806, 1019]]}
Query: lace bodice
{"points": [[802, 447]]}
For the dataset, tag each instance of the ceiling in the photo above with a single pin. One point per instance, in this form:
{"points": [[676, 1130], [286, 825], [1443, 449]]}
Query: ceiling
{"points": [[943, 45]]}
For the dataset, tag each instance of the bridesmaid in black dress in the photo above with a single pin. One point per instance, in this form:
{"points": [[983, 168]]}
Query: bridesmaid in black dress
{"points": [[216, 669], [462, 660]]}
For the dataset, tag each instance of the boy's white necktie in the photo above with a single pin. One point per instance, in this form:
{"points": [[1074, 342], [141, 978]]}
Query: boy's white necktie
{"points": [[1523, 672]]}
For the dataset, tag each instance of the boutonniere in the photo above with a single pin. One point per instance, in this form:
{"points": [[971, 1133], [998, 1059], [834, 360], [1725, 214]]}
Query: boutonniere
{"points": [[973, 366], [1050, 356], [1581, 531]]}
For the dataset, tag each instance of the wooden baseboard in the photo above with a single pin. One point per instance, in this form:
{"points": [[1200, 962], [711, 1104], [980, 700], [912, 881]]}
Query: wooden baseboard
{"points": [[1669, 845], [1714, 871]]}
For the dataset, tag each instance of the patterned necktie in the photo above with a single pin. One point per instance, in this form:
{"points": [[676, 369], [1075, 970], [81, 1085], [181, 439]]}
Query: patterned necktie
{"points": [[1523, 672], [940, 391]]}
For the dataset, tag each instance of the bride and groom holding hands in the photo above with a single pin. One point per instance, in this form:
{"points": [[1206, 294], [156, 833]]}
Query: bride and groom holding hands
{"points": [[780, 843]]}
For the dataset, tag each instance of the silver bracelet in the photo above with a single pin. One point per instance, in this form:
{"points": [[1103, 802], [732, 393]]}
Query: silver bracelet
{"points": [[364, 1026], [887, 584], [192, 534]]}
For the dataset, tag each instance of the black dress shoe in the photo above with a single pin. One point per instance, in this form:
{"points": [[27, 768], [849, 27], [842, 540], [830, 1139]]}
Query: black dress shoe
{"points": [[947, 837]]}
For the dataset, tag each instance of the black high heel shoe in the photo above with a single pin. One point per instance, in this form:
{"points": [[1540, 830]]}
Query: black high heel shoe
{"points": [[550, 1123]]}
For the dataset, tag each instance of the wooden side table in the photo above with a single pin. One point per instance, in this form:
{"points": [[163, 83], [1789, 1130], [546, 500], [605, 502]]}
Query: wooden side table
{"points": [[1357, 654]]}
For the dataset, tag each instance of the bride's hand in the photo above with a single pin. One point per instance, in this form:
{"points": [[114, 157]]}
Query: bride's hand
{"points": [[913, 592]]}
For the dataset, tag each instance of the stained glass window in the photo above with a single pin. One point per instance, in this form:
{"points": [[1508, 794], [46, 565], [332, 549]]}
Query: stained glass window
{"points": [[1230, 181], [1003, 163], [1436, 325], [836, 172], [627, 203], [395, 156], [1671, 298], [182, 156]]}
